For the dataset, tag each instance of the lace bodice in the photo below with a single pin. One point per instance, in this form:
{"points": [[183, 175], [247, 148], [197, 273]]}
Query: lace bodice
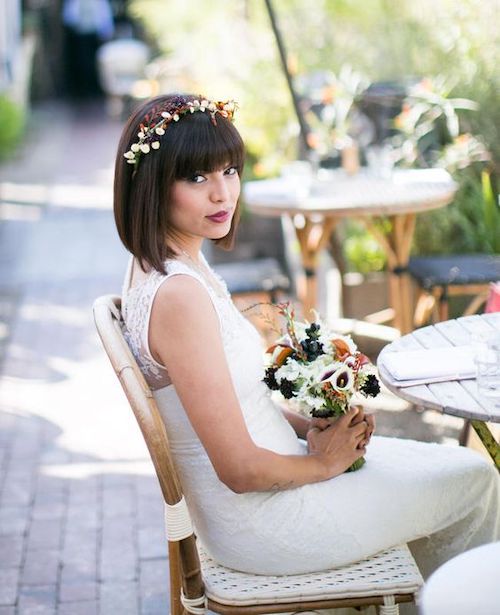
{"points": [[406, 490], [137, 304]]}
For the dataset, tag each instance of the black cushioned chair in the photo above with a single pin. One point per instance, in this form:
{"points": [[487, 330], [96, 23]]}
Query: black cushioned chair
{"points": [[256, 275], [442, 277]]}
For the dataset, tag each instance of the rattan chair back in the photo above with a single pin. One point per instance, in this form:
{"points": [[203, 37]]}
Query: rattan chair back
{"points": [[183, 555]]}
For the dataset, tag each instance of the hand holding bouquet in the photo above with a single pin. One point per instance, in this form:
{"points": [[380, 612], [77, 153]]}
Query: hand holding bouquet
{"points": [[319, 369]]}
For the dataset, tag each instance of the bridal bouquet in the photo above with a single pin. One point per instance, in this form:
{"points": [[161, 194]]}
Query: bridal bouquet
{"points": [[319, 369]]}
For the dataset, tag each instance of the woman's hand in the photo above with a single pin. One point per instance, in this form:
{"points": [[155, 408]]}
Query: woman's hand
{"points": [[322, 424], [370, 425], [339, 443], [370, 421]]}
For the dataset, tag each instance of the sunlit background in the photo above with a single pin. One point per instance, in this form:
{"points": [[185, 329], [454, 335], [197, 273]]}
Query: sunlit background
{"points": [[412, 84]]}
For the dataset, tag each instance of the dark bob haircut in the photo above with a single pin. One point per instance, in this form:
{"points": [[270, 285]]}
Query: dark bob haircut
{"points": [[142, 192]]}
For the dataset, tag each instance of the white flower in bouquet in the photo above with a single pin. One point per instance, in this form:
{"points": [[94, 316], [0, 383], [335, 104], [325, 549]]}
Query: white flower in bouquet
{"points": [[341, 378]]}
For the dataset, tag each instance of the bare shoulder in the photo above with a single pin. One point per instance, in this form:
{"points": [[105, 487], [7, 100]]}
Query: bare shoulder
{"points": [[182, 298], [181, 308], [184, 331]]}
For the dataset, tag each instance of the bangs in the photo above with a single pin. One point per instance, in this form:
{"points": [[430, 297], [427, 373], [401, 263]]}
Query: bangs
{"points": [[206, 149]]}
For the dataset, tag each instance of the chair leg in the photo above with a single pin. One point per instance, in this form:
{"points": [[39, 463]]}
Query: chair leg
{"points": [[437, 293], [475, 304], [423, 310], [464, 433], [389, 607], [176, 607], [443, 305]]}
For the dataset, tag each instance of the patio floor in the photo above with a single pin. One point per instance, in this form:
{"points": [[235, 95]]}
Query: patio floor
{"points": [[81, 520]]}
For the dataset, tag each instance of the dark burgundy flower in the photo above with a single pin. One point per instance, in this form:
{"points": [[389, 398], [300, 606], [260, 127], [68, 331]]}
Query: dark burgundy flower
{"points": [[371, 386], [286, 388], [270, 379]]}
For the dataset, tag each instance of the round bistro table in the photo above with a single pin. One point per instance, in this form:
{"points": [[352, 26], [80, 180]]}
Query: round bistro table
{"points": [[316, 206], [456, 397]]}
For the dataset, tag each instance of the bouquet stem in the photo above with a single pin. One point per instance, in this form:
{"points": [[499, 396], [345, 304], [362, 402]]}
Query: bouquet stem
{"points": [[359, 463]]}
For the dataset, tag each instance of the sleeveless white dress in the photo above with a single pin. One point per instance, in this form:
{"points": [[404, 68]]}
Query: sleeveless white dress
{"points": [[440, 499]]}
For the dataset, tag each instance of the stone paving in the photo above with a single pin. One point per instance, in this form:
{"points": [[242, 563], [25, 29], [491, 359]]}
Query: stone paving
{"points": [[81, 530]]}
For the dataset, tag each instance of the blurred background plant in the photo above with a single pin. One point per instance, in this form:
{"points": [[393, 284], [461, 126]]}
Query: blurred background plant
{"points": [[429, 131], [328, 101], [442, 73], [12, 119], [433, 131]]}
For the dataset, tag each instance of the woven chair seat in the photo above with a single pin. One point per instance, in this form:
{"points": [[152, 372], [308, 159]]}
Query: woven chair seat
{"points": [[388, 573]]}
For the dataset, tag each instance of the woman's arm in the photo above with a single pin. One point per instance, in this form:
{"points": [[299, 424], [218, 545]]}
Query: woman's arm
{"points": [[184, 334]]}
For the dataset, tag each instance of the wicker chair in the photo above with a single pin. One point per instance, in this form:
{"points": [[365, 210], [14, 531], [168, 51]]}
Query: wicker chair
{"points": [[197, 582], [254, 276]]}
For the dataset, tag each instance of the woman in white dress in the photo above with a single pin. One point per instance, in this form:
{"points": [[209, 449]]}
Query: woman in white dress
{"points": [[266, 488]]}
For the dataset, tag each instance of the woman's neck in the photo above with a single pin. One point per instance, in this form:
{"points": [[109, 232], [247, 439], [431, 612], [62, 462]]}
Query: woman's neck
{"points": [[189, 249]]}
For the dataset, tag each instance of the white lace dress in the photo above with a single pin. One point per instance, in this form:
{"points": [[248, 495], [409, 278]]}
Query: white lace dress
{"points": [[442, 499]]}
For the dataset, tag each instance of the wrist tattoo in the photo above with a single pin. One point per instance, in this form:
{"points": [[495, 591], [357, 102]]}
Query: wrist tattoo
{"points": [[281, 486]]}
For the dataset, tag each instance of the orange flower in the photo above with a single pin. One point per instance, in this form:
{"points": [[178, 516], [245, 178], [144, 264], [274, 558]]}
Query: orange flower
{"points": [[312, 140], [328, 94], [426, 84], [280, 357], [342, 349]]}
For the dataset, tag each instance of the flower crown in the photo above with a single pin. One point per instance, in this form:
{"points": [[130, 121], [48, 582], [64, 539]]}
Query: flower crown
{"points": [[148, 136]]}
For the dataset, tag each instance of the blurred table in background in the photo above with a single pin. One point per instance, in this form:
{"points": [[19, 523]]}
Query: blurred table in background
{"points": [[387, 206]]}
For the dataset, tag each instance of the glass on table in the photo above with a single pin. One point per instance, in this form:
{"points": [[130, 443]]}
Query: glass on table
{"points": [[487, 359], [380, 159], [300, 174]]}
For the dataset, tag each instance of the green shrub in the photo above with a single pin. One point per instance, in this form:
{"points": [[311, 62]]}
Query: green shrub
{"points": [[11, 126], [470, 224], [361, 251]]}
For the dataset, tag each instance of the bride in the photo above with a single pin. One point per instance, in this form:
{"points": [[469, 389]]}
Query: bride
{"points": [[266, 489]]}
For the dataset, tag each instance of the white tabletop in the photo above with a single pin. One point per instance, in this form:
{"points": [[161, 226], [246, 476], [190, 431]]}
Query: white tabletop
{"points": [[468, 584], [335, 192], [458, 397]]}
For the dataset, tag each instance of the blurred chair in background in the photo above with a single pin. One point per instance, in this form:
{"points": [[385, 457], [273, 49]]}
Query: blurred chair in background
{"points": [[442, 277], [255, 276], [121, 64]]}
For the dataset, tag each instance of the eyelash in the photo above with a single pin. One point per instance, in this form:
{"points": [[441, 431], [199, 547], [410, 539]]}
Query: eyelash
{"points": [[192, 179]]}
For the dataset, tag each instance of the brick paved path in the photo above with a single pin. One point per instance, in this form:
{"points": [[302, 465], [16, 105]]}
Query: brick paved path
{"points": [[80, 511]]}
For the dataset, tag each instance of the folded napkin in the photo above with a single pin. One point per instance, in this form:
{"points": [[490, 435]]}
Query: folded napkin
{"points": [[426, 365]]}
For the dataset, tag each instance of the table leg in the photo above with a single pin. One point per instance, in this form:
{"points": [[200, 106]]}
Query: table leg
{"points": [[313, 235], [396, 244], [488, 440]]}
